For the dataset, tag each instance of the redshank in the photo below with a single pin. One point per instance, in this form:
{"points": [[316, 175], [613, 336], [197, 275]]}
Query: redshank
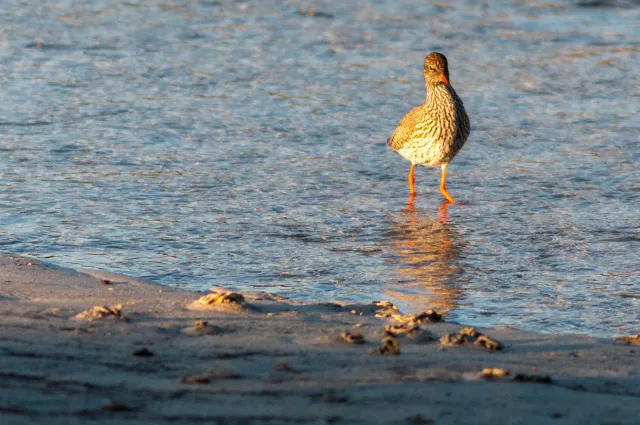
{"points": [[432, 134]]}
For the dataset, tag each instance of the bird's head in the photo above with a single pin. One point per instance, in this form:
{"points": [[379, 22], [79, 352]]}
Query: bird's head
{"points": [[436, 69]]}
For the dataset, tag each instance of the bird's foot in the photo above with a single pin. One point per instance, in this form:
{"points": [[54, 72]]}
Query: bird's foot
{"points": [[448, 197]]}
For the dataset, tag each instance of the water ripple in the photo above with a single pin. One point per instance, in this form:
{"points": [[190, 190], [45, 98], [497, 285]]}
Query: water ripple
{"points": [[242, 144]]}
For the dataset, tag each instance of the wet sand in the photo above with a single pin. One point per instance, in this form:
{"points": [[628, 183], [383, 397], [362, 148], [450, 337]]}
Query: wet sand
{"points": [[156, 355]]}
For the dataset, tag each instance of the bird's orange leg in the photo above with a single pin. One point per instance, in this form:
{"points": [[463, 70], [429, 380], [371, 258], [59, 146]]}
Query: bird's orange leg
{"points": [[412, 190], [412, 180], [443, 184]]}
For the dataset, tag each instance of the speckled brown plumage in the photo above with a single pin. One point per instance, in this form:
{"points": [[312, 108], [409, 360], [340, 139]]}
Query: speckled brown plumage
{"points": [[433, 133]]}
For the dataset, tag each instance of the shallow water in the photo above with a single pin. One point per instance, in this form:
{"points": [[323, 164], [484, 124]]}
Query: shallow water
{"points": [[242, 144]]}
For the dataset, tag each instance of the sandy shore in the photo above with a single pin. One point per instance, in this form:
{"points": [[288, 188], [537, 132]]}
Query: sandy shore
{"points": [[261, 359]]}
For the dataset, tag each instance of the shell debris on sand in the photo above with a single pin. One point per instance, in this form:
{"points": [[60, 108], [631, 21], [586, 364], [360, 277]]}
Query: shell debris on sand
{"points": [[424, 317], [494, 372], [412, 331], [352, 337], [202, 327], [470, 335], [429, 316], [500, 374], [224, 300], [631, 339], [385, 309], [403, 328], [389, 346], [409, 325], [100, 312]]}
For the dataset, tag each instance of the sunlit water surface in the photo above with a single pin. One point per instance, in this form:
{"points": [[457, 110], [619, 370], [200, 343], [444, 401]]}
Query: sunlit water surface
{"points": [[242, 144]]}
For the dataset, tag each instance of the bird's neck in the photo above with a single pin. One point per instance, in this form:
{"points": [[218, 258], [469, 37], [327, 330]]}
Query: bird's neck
{"points": [[440, 96]]}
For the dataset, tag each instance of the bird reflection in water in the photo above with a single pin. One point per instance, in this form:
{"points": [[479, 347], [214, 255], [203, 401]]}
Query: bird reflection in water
{"points": [[427, 252]]}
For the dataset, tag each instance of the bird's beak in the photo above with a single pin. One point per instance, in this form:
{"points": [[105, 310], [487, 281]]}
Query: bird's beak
{"points": [[443, 78]]}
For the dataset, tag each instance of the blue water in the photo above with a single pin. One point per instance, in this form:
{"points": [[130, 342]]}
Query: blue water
{"points": [[242, 144]]}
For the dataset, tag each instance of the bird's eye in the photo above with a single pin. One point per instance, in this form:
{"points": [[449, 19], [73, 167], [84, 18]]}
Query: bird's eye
{"points": [[432, 69]]}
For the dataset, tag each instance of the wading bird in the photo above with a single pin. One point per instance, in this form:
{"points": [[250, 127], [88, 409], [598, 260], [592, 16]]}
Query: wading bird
{"points": [[432, 134]]}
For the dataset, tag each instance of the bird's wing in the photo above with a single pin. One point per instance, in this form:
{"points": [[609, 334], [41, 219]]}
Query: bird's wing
{"points": [[405, 128]]}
